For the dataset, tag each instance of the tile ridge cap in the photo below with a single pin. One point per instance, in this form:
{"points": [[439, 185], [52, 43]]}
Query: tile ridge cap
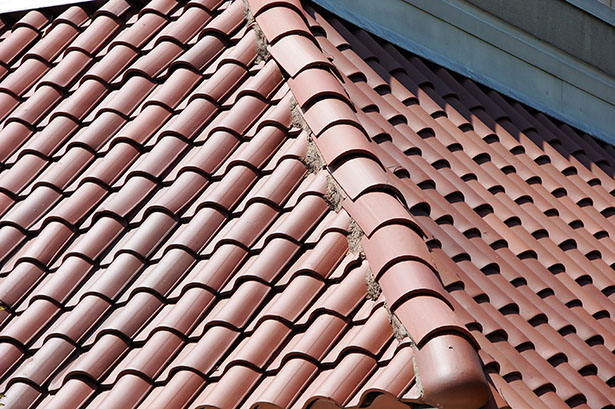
{"points": [[460, 382]]}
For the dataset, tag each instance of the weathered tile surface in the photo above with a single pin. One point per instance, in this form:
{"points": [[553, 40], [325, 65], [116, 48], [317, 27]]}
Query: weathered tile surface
{"points": [[180, 191]]}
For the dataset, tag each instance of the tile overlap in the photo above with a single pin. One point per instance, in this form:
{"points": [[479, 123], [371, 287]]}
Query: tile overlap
{"points": [[254, 204]]}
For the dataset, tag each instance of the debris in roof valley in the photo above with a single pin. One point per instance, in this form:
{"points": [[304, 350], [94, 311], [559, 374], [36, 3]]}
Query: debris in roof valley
{"points": [[229, 204]]}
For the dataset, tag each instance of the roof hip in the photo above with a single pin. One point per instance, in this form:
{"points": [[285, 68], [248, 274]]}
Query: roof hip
{"points": [[449, 372]]}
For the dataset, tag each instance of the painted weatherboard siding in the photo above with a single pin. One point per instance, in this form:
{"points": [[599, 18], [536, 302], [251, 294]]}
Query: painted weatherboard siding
{"points": [[472, 42]]}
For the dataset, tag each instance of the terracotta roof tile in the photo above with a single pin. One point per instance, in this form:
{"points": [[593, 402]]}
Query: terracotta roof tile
{"points": [[188, 221]]}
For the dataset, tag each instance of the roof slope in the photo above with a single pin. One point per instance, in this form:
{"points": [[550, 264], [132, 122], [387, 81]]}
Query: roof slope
{"points": [[208, 205]]}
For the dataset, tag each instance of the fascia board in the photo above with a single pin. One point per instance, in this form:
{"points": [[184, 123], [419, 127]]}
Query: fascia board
{"points": [[467, 40]]}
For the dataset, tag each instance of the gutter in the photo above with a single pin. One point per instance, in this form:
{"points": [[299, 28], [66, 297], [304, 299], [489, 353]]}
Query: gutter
{"points": [[11, 6]]}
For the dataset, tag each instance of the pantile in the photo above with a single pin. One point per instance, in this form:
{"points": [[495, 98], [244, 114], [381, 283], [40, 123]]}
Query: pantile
{"points": [[256, 204]]}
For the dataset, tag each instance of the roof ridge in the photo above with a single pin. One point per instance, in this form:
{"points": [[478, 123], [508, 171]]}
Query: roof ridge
{"points": [[449, 363]]}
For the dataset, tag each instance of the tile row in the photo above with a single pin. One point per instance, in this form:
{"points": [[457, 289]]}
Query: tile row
{"points": [[168, 240]]}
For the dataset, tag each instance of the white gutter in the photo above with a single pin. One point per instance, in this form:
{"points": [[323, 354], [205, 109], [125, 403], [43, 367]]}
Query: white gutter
{"points": [[10, 6]]}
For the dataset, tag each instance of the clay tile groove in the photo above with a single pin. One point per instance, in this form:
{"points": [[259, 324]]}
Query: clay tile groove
{"points": [[254, 203]]}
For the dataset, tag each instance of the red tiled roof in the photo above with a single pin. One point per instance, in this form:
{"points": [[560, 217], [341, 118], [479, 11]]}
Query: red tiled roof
{"points": [[203, 210]]}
